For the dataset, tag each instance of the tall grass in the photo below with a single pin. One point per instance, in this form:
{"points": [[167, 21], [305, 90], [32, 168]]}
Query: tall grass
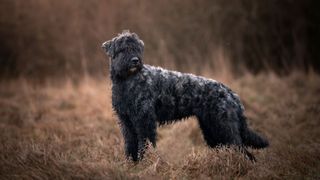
{"points": [[66, 130]]}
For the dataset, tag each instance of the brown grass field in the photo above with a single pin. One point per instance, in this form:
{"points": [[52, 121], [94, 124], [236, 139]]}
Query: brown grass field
{"points": [[67, 130]]}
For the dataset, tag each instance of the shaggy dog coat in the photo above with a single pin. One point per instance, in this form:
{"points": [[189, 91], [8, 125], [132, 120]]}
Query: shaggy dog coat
{"points": [[144, 96]]}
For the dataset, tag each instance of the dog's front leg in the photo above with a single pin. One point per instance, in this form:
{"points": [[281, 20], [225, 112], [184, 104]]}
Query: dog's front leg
{"points": [[145, 124], [130, 137]]}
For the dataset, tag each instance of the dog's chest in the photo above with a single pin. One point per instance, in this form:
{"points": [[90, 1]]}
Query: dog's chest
{"points": [[129, 96]]}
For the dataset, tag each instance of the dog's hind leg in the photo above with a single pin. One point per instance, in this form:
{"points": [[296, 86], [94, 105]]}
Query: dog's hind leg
{"points": [[223, 131], [207, 132], [219, 130]]}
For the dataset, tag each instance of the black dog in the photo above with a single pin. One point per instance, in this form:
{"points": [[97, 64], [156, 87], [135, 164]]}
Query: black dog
{"points": [[143, 95]]}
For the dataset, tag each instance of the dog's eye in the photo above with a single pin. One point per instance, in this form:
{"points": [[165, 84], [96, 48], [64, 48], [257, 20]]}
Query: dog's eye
{"points": [[119, 52]]}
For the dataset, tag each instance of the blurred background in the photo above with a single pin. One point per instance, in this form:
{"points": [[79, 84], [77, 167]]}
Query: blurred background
{"points": [[44, 38]]}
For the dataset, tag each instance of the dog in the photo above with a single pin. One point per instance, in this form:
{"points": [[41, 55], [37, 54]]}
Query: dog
{"points": [[144, 96]]}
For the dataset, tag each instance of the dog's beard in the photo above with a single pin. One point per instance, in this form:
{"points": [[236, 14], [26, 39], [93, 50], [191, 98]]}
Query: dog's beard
{"points": [[133, 69]]}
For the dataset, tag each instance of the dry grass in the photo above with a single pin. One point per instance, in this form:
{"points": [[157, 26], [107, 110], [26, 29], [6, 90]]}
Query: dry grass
{"points": [[65, 130]]}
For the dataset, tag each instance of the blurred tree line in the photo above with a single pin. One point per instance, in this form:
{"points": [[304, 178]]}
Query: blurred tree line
{"points": [[43, 38]]}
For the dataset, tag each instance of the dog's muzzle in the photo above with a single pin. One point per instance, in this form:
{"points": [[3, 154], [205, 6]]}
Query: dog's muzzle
{"points": [[135, 60], [135, 64]]}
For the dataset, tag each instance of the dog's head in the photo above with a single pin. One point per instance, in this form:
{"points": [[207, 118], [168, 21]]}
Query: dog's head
{"points": [[125, 52]]}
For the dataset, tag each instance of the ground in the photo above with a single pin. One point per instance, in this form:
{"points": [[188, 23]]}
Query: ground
{"points": [[62, 129]]}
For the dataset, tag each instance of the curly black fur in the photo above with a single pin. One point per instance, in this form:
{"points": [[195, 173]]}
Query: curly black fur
{"points": [[143, 95]]}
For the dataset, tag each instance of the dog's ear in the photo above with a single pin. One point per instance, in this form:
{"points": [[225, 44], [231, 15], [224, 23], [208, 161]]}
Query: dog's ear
{"points": [[141, 42], [107, 46]]}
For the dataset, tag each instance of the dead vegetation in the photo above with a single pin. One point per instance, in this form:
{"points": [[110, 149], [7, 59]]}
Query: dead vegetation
{"points": [[68, 130]]}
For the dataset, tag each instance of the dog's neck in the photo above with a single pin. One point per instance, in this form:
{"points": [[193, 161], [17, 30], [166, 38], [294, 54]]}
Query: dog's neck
{"points": [[120, 77]]}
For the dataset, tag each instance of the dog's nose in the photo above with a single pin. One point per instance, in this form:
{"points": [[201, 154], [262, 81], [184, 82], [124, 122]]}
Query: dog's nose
{"points": [[135, 60]]}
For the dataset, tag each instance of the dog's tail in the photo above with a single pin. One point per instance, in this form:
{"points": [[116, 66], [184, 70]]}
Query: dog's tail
{"points": [[252, 139]]}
